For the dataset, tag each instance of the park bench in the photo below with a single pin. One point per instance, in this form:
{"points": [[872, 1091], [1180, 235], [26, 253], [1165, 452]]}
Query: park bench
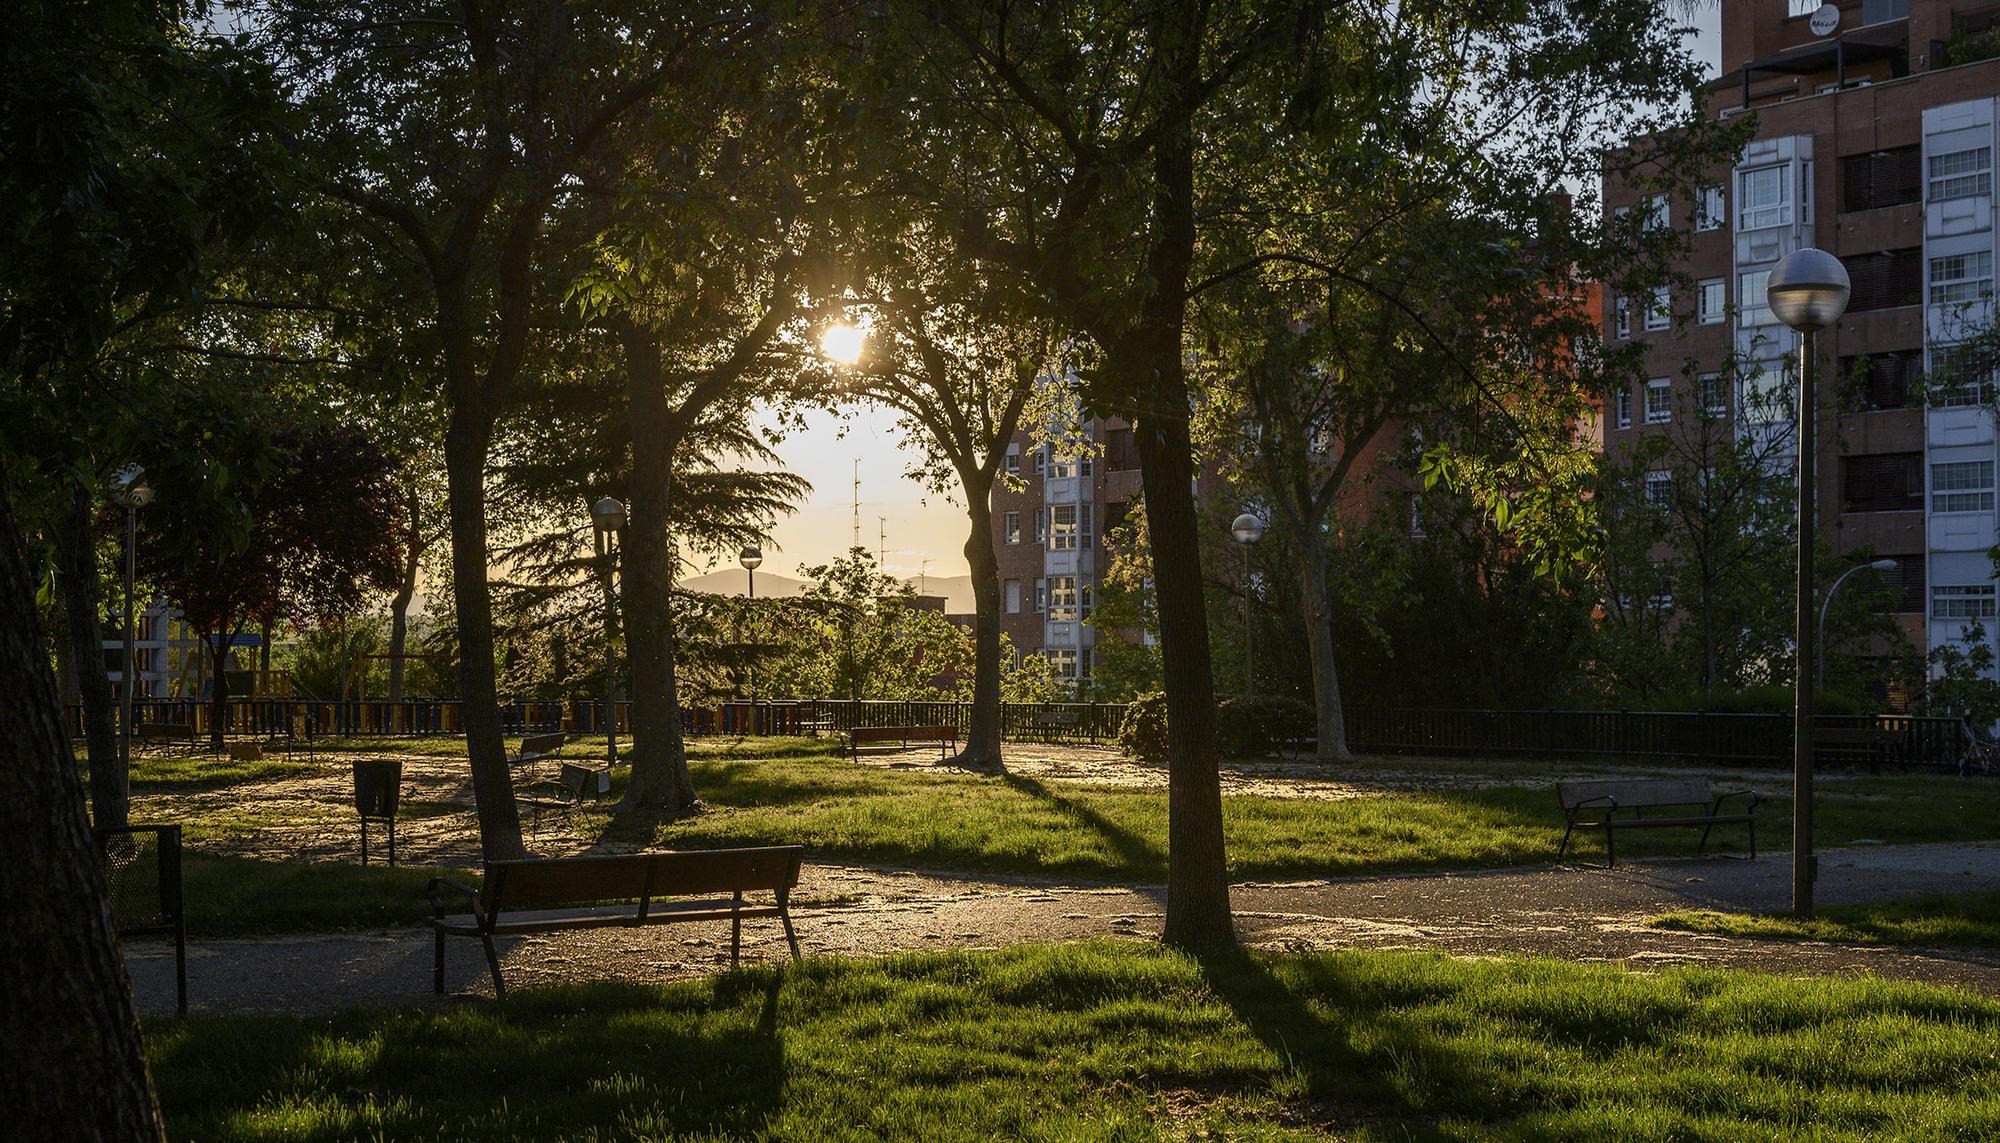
{"points": [[165, 732], [1612, 797], [1870, 744], [1054, 724], [548, 895], [946, 737]]}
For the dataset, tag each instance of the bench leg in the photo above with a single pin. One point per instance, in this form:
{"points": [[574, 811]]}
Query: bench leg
{"points": [[1610, 846], [1567, 830], [493, 966], [1753, 839], [736, 929], [437, 962], [791, 938], [1703, 843]]}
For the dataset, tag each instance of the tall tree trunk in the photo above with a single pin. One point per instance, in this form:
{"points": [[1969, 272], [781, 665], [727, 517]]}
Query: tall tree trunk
{"points": [[218, 689], [660, 780], [468, 435], [1198, 914], [76, 1065], [982, 737], [399, 607], [76, 559], [1317, 599]]}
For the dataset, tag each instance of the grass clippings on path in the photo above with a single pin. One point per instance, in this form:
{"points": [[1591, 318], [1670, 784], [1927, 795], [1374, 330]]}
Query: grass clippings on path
{"points": [[1966, 920], [1114, 1042]]}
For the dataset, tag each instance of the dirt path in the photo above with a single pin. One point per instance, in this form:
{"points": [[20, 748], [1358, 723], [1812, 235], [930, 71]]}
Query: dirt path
{"points": [[1568, 912]]}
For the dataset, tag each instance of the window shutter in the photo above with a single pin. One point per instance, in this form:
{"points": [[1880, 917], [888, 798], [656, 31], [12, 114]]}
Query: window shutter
{"points": [[1885, 482]]}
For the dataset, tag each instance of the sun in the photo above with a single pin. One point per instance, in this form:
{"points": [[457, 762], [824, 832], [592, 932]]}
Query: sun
{"points": [[842, 343]]}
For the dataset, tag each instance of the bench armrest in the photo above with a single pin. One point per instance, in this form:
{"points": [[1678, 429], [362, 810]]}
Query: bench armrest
{"points": [[438, 906], [1605, 800], [1753, 795]]}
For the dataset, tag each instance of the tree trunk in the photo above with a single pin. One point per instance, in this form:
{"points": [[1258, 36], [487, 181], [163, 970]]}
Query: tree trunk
{"points": [[1198, 915], [76, 558], [982, 736], [76, 1068], [399, 607], [1318, 605], [468, 435], [218, 688], [660, 782]]}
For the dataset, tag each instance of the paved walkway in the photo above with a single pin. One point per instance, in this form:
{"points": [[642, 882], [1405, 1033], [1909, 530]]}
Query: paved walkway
{"points": [[1568, 912]]}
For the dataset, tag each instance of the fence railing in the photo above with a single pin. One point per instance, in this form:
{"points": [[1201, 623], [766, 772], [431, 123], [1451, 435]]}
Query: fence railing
{"points": [[1706, 736]]}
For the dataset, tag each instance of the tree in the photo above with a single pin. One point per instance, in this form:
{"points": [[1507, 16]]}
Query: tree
{"points": [[236, 547], [961, 369]]}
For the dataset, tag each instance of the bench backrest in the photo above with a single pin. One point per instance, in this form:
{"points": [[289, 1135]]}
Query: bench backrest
{"points": [[541, 743], [878, 733], [558, 881], [1635, 792], [164, 729], [932, 732]]}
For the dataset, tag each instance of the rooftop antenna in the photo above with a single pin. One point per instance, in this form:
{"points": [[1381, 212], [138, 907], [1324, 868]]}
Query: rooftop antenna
{"points": [[923, 576], [857, 502], [882, 542]]}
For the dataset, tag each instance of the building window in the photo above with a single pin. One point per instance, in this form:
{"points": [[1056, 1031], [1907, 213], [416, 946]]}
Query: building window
{"points": [[1882, 482], [1623, 400], [1013, 460], [1041, 459], [1083, 514], [1041, 596], [1659, 487], [1041, 525], [1966, 601], [1012, 592], [1961, 375], [1083, 603], [1121, 454], [1752, 306], [1959, 278], [1887, 380], [1961, 174], [1905, 585], [1012, 526], [1659, 401], [1660, 308], [1656, 213], [1621, 318], [1714, 394], [1713, 300], [1710, 211], [1886, 280], [1764, 197], [1062, 527], [1882, 178], [1965, 486], [1062, 662], [1062, 598]]}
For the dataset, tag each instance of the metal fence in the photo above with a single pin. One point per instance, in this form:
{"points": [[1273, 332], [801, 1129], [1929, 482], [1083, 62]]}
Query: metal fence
{"points": [[1093, 722], [1703, 736]]}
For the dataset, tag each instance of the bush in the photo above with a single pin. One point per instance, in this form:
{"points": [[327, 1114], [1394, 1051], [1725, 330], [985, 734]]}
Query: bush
{"points": [[1770, 698], [1143, 734], [1251, 725]]}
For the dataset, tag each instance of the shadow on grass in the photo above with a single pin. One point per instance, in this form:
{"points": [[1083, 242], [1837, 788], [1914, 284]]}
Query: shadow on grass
{"points": [[1134, 850], [550, 1063]]}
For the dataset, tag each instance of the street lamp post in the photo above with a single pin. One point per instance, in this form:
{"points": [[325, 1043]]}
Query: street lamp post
{"points": [[1247, 529], [608, 516], [129, 491], [1826, 606], [1807, 291], [750, 557]]}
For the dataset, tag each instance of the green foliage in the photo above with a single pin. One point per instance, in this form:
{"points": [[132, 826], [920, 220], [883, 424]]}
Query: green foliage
{"points": [[1961, 679], [855, 633], [1248, 726], [1105, 1041], [1768, 698], [1970, 47], [1143, 733]]}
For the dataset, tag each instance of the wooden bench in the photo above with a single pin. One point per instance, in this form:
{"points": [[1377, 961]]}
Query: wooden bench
{"points": [[555, 889], [165, 731], [1638, 795], [946, 737], [1870, 744]]}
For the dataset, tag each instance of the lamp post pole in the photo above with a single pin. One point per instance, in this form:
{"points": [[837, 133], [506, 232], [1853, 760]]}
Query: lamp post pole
{"points": [[131, 492], [1807, 291], [1248, 529], [608, 516], [1819, 652], [750, 557]]}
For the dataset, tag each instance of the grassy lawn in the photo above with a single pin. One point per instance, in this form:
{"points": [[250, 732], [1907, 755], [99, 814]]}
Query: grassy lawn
{"points": [[1963, 919], [1088, 1042], [181, 773]]}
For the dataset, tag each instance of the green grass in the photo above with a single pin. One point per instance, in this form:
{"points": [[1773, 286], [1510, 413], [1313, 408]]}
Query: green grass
{"points": [[1959, 919], [234, 896], [1088, 1042], [181, 773]]}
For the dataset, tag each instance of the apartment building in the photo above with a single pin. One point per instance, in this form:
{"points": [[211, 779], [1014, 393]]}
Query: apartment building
{"points": [[1875, 141]]}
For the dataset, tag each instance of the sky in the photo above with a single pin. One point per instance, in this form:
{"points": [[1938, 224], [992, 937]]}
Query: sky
{"points": [[924, 531]]}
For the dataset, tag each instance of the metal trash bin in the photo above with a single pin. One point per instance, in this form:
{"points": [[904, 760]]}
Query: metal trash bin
{"points": [[378, 787]]}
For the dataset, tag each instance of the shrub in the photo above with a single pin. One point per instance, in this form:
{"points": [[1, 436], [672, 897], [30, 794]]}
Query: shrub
{"points": [[1143, 734], [1250, 725], [1768, 698]]}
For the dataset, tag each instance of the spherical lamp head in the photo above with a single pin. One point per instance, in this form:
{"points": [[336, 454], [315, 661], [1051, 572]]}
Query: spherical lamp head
{"points": [[608, 514], [1808, 290], [1884, 565], [1247, 528], [129, 488], [750, 557]]}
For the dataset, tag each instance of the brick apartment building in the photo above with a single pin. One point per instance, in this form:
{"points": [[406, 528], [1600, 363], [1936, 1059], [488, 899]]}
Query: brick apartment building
{"points": [[1875, 140]]}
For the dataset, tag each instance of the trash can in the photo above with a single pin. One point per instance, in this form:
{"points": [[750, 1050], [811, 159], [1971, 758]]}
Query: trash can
{"points": [[378, 786]]}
